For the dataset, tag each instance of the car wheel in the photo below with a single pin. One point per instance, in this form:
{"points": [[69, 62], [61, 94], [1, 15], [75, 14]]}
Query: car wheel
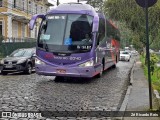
{"points": [[28, 69], [4, 72]]}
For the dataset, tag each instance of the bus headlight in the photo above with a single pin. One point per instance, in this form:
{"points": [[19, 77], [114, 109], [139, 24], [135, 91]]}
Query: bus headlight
{"points": [[39, 62], [87, 64]]}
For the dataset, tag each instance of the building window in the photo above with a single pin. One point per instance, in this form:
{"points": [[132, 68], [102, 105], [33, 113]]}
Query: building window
{"points": [[15, 30], [23, 32], [23, 5], [1, 28], [41, 9], [36, 8], [29, 7], [14, 4], [1, 3]]}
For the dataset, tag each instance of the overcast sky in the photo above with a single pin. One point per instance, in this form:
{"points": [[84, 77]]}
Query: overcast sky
{"points": [[62, 1]]}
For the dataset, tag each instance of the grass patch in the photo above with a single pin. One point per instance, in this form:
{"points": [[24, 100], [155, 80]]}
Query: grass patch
{"points": [[155, 77]]}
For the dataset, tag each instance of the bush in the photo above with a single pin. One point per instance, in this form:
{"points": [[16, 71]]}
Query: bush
{"points": [[153, 60], [156, 70]]}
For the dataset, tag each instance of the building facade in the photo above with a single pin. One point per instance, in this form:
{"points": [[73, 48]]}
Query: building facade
{"points": [[15, 16]]}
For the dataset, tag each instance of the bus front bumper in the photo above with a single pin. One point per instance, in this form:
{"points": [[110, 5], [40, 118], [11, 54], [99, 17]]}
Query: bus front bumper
{"points": [[87, 72]]}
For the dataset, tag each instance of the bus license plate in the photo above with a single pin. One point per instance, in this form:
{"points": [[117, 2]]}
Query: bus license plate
{"points": [[61, 71]]}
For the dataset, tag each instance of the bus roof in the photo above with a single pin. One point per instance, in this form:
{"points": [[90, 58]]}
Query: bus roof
{"points": [[74, 8]]}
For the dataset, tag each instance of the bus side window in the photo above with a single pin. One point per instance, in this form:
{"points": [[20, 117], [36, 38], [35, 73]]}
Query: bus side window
{"points": [[101, 31]]}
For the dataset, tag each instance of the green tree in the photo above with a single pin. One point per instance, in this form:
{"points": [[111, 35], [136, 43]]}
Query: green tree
{"points": [[134, 17], [96, 4]]}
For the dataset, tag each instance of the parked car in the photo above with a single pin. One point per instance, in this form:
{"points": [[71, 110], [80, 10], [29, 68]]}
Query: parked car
{"points": [[129, 52], [124, 55], [19, 60]]}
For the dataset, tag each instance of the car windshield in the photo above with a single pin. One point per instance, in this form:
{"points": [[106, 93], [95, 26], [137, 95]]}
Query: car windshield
{"points": [[22, 53], [124, 52], [66, 32]]}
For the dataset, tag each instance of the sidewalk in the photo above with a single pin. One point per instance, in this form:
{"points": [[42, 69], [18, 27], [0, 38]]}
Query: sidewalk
{"points": [[139, 94]]}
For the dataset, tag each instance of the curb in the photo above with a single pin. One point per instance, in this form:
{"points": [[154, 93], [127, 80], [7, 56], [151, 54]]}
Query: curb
{"points": [[126, 98]]}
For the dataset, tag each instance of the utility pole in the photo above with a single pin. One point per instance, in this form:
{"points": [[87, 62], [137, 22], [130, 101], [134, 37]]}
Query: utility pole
{"points": [[145, 4], [78, 1]]}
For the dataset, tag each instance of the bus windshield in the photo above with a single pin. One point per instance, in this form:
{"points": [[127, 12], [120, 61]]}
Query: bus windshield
{"points": [[66, 32]]}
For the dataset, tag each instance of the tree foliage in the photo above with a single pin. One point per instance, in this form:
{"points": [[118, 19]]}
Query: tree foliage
{"points": [[98, 4], [129, 12]]}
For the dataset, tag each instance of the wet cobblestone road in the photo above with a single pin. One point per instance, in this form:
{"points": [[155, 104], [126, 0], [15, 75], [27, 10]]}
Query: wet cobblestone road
{"points": [[20, 92]]}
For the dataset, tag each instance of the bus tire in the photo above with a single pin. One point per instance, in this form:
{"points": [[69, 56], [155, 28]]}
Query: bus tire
{"points": [[58, 79], [100, 74], [114, 66], [102, 69]]}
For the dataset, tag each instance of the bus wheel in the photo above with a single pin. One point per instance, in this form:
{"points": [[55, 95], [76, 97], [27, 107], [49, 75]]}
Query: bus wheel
{"points": [[58, 79], [114, 66], [100, 74]]}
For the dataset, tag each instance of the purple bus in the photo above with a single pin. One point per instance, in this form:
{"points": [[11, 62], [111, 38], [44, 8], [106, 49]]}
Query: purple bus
{"points": [[75, 41]]}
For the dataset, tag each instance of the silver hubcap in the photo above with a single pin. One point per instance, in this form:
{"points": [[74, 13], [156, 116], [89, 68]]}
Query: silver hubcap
{"points": [[29, 69]]}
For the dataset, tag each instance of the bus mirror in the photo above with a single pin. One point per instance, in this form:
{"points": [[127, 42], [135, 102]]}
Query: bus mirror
{"points": [[33, 20]]}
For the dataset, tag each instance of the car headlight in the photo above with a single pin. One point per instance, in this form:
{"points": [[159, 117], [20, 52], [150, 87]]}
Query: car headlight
{"points": [[21, 61], [38, 61], [2, 61], [87, 64]]}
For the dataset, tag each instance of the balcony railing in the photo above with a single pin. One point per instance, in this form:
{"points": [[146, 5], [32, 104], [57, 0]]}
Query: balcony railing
{"points": [[20, 8]]}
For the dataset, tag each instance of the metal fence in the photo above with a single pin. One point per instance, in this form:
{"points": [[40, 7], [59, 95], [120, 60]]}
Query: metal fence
{"points": [[10, 44], [13, 39]]}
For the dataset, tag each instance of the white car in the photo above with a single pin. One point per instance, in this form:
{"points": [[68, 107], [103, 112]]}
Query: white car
{"points": [[128, 52], [134, 52], [124, 55]]}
